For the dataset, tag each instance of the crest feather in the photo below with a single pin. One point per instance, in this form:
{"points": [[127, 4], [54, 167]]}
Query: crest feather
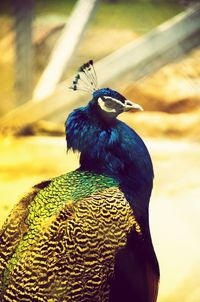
{"points": [[86, 78]]}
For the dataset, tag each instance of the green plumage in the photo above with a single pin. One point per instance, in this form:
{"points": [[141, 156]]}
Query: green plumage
{"points": [[74, 225]]}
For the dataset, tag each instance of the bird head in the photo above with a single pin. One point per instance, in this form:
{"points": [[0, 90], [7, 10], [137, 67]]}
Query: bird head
{"points": [[112, 103], [108, 102]]}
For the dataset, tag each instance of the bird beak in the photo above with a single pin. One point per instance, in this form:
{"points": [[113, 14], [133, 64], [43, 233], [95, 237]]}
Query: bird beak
{"points": [[130, 106]]}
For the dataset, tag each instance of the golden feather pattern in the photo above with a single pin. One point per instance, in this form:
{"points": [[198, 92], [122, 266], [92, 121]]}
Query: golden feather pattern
{"points": [[61, 245]]}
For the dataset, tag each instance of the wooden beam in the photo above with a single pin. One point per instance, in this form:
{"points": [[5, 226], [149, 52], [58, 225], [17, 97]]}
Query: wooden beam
{"points": [[170, 41], [65, 47], [166, 43]]}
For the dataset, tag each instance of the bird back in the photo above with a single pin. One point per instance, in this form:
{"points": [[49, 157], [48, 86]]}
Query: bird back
{"points": [[66, 235]]}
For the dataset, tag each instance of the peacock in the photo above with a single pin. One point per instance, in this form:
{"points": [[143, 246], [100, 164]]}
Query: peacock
{"points": [[84, 236]]}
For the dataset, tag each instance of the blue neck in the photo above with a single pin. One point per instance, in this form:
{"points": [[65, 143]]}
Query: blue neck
{"points": [[108, 146]]}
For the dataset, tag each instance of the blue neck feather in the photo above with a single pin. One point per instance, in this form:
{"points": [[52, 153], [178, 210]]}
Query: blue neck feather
{"points": [[108, 146]]}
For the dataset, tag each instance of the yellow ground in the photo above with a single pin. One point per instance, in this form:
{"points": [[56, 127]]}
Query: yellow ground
{"points": [[174, 211]]}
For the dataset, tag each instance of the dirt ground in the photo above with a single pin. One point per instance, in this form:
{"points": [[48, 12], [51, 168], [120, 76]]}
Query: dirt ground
{"points": [[174, 210]]}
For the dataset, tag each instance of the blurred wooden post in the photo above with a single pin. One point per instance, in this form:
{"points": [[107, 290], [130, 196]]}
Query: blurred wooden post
{"points": [[23, 15], [64, 49]]}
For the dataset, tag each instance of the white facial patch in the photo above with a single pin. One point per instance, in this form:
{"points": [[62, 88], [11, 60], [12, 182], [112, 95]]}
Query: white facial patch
{"points": [[104, 107], [128, 105], [113, 99]]}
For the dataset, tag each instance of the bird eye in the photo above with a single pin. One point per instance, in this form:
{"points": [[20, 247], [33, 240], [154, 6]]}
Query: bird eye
{"points": [[105, 106], [111, 101]]}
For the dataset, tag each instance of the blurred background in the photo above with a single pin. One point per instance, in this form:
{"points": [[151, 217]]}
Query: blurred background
{"points": [[148, 50]]}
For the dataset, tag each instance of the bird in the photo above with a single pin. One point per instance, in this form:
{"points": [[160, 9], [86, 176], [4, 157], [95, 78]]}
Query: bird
{"points": [[84, 236]]}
